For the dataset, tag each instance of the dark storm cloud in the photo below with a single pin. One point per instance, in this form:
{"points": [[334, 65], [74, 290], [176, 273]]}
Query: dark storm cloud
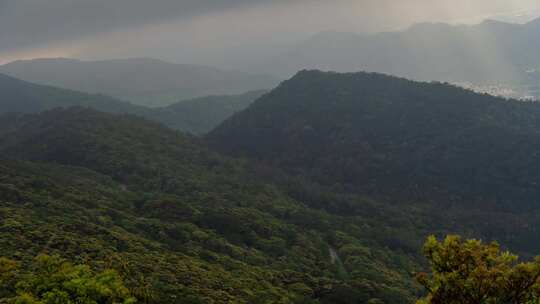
{"points": [[29, 23]]}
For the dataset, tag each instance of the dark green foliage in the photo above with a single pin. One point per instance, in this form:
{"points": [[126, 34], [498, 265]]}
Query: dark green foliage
{"points": [[353, 171], [179, 222], [405, 142]]}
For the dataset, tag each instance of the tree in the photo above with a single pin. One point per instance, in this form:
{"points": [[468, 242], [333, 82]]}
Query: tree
{"points": [[470, 272], [53, 280], [8, 273]]}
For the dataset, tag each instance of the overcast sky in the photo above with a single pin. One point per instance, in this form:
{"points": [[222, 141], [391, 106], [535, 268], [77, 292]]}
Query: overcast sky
{"points": [[215, 32]]}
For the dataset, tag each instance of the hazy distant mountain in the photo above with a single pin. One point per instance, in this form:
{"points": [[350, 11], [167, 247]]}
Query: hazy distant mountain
{"points": [[195, 116], [142, 81], [200, 115], [489, 52], [19, 96]]}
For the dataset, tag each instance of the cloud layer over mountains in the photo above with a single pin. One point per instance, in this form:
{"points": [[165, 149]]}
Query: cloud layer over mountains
{"points": [[208, 30]]}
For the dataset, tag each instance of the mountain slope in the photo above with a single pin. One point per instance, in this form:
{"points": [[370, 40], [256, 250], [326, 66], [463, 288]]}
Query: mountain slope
{"points": [[142, 81], [400, 141], [201, 115], [412, 130], [193, 225], [19, 96], [196, 116]]}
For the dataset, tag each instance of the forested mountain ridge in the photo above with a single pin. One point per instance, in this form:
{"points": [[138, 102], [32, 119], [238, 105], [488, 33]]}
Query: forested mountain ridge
{"points": [[194, 226], [401, 141], [196, 116], [142, 81], [319, 119], [331, 205]]}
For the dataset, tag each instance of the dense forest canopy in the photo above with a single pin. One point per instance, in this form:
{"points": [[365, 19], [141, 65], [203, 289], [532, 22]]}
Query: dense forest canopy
{"points": [[93, 186], [323, 198], [270, 152], [401, 141], [384, 134]]}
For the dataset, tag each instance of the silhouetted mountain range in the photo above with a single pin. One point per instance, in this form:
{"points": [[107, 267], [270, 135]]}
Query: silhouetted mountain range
{"points": [[143, 81], [196, 116], [490, 52]]}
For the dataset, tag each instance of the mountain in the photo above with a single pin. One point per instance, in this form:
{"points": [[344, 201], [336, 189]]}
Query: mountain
{"points": [[186, 225], [25, 97], [201, 115], [143, 81], [195, 116], [490, 52], [336, 181], [404, 142]]}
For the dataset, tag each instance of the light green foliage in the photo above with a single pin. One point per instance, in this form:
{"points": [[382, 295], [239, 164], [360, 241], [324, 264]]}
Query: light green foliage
{"points": [[53, 280], [470, 272], [8, 273]]}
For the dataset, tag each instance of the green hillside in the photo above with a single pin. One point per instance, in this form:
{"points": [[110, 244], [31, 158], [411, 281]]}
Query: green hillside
{"points": [[184, 222], [336, 182], [475, 156]]}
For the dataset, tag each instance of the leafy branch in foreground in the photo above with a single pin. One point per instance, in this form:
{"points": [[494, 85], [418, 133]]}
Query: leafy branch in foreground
{"points": [[54, 280], [470, 272]]}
